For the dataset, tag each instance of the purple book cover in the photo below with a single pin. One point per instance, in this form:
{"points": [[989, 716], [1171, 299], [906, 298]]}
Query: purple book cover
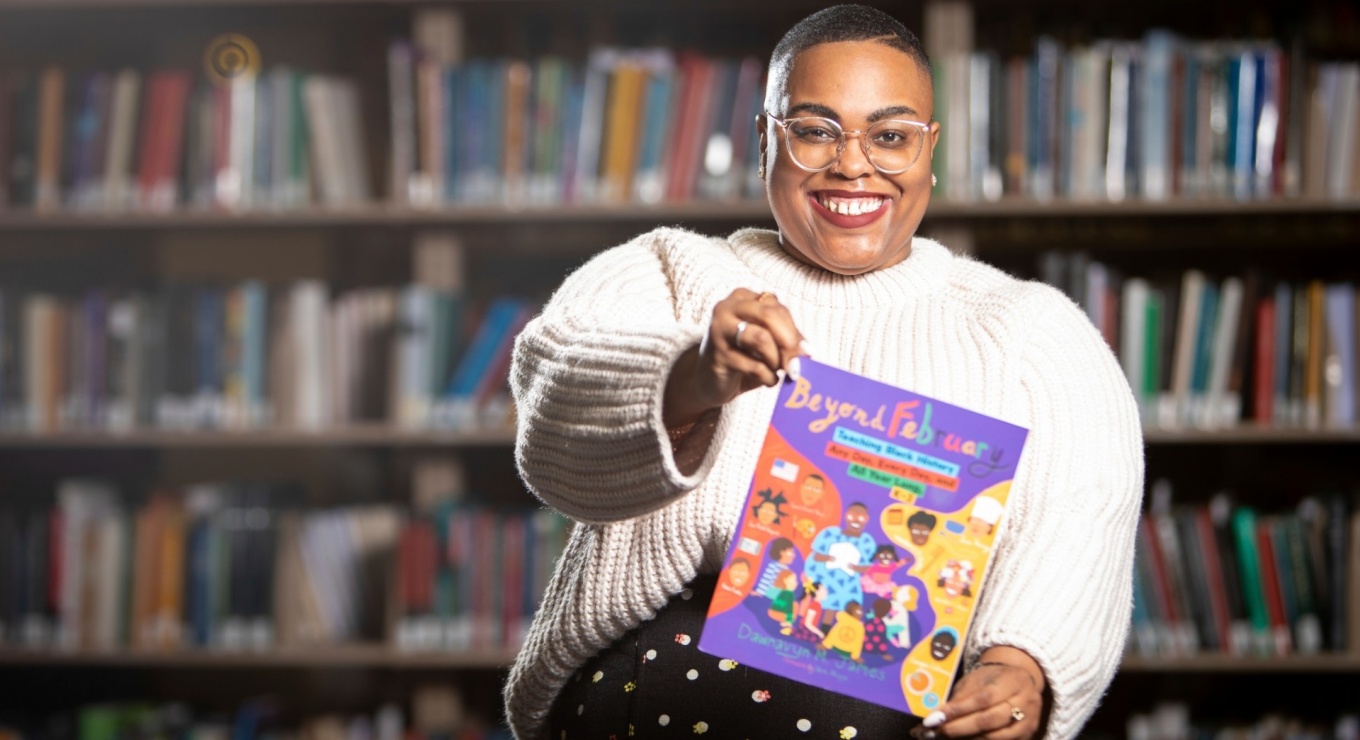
{"points": [[865, 537]]}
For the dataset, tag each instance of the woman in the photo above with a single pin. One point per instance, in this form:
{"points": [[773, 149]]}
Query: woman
{"points": [[645, 386]]}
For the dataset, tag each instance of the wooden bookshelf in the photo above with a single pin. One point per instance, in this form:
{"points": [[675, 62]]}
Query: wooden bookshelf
{"points": [[377, 435], [329, 656], [1327, 663], [378, 215]]}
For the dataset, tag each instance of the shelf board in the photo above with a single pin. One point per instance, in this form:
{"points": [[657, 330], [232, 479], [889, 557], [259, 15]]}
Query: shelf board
{"points": [[377, 435], [337, 656], [380, 215], [1212, 663], [1250, 433], [382, 435]]}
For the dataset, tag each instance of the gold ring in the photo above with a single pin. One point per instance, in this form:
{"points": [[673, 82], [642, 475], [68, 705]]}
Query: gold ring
{"points": [[736, 340], [763, 294], [1016, 714]]}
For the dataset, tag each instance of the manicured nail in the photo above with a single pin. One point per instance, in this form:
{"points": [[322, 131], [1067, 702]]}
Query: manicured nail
{"points": [[934, 719], [806, 348], [930, 735], [779, 374], [795, 369]]}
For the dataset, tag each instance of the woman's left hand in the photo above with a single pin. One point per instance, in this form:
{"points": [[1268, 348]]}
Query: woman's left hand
{"points": [[1002, 700]]}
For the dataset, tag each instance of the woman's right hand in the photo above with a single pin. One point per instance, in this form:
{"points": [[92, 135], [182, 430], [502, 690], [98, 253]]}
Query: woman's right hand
{"points": [[729, 362]]}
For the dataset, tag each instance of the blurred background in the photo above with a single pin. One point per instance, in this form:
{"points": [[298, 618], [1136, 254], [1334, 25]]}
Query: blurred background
{"points": [[262, 263]]}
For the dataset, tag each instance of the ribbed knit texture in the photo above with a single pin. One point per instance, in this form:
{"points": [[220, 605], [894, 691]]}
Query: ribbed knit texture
{"points": [[588, 377]]}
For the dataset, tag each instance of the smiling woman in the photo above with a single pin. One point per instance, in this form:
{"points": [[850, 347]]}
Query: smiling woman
{"points": [[645, 386]]}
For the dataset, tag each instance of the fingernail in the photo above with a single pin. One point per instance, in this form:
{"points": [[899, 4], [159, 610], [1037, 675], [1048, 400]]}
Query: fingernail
{"points": [[934, 719], [806, 348], [930, 735], [779, 374], [795, 369]]}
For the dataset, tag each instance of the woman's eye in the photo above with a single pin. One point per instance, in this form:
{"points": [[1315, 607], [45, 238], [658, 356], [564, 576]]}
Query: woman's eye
{"points": [[815, 134]]}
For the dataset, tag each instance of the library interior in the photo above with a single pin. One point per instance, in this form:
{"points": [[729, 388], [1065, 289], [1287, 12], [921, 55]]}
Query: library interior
{"points": [[263, 263]]}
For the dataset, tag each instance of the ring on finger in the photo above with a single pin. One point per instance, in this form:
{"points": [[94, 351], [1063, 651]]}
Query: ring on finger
{"points": [[736, 340], [1017, 714], [764, 294]]}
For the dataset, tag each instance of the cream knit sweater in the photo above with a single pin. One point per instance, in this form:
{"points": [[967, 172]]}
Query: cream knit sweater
{"points": [[588, 377]]}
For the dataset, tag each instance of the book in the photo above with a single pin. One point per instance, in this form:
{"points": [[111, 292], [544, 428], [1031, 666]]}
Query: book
{"points": [[892, 502]]}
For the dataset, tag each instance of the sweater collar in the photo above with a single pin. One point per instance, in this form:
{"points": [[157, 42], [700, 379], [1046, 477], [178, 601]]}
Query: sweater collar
{"points": [[923, 272]]}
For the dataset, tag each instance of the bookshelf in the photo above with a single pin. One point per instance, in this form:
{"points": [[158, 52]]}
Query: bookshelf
{"points": [[1298, 235]]}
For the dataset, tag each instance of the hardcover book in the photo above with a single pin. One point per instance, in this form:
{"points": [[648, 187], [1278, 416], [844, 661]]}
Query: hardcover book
{"points": [[864, 541]]}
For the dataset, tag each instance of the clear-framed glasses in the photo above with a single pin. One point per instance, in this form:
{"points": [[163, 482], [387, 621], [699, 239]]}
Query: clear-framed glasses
{"points": [[815, 143]]}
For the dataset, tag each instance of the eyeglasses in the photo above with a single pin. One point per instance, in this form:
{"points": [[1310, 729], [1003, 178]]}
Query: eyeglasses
{"points": [[815, 143]]}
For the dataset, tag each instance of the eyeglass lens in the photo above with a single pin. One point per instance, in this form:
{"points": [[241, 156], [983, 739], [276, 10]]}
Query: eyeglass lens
{"points": [[893, 146]]}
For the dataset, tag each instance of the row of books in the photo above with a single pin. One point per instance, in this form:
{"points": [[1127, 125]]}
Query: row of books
{"points": [[243, 565], [251, 355], [435, 711], [641, 125], [1172, 721], [1225, 577], [1207, 352], [156, 141], [1158, 117]]}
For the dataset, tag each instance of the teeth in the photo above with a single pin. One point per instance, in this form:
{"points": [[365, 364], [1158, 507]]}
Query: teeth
{"points": [[851, 206]]}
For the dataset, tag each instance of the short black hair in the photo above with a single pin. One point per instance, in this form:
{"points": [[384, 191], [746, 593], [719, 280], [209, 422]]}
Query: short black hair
{"points": [[842, 23]]}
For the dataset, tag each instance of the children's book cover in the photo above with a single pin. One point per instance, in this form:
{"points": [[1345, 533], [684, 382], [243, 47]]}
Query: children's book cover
{"points": [[865, 537]]}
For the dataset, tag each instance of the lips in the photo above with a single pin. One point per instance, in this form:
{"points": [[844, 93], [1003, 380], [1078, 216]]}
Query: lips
{"points": [[848, 210]]}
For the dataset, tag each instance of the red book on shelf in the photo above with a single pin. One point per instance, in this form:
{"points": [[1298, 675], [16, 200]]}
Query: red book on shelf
{"points": [[1165, 597], [1270, 582], [1213, 574], [1264, 372]]}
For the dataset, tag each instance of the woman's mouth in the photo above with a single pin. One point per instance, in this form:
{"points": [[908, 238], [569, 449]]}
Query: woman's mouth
{"points": [[849, 212]]}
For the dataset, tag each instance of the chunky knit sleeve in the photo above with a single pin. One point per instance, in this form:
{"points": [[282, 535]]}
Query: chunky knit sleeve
{"points": [[1061, 584], [588, 377]]}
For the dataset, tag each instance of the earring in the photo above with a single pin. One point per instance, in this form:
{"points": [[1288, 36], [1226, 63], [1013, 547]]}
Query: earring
{"points": [[934, 180], [760, 169]]}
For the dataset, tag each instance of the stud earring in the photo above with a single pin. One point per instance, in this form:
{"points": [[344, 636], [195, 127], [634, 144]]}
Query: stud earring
{"points": [[933, 180]]}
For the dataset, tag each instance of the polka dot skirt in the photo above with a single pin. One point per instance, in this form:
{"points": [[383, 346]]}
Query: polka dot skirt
{"points": [[654, 682]]}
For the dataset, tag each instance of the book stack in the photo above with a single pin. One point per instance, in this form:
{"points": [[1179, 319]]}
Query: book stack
{"points": [[1225, 577], [242, 566], [1155, 118], [250, 355], [627, 125], [470, 577], [156, 141], [1210, 352], [436, 711]]}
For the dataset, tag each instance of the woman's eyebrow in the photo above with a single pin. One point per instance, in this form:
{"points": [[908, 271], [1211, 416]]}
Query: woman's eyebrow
{"points": [[889, 112], [816, 109]]}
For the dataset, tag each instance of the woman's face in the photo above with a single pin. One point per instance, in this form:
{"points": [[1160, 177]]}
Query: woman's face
{"points": [[855, 83]]}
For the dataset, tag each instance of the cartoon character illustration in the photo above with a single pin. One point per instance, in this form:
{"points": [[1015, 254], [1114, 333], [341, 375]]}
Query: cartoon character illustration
{"points": [[876, 629], [810, 492], [846, 636], [769, 509], [808, 613], [956, 577], [739, 573], [943, 642], [928, 553], [839, 556], [902, 630], [986, 513], [781, 603], [806, 528], [781, 556], [877, 580]]}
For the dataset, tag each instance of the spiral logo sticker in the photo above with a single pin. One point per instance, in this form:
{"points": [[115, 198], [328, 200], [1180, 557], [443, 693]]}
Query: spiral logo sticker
{"points": [[230, 56]]}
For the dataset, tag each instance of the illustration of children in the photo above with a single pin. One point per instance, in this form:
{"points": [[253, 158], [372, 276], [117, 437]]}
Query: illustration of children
{"points": [[956, 578], [781, 556], [928, 554], [876, 630], [846, 636], [808, 613], [901, 626], [983, 518], [877, 580], [769, 509], [781, 603]]}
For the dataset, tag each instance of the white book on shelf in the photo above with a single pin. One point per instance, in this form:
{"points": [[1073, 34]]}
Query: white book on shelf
{"points": [[313, 365], [1343, 131], [1223, 408], [1183, 360], [599, 68], [1117, 143], [107, 571], [1155, 92], [83, 503], [119, 193], [1268, 127]]}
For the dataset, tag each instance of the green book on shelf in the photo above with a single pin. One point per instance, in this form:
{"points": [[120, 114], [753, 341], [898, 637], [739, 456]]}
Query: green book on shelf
{"points": [[1244, 534]]}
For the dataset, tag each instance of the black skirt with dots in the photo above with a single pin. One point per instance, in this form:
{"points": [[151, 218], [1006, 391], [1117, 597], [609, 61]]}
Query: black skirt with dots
{"points": [[654, 682]]}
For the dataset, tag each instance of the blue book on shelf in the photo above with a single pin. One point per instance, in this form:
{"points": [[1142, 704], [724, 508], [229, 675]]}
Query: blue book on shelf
{"points": [[470, 117], [490, 336], [655, 131], [453, 133], [1340, 322], [1204, 348], [209, 330], [255, 347]]}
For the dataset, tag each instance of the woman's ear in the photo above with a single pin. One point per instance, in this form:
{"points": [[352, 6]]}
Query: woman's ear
{"points": [[761, 129]]}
